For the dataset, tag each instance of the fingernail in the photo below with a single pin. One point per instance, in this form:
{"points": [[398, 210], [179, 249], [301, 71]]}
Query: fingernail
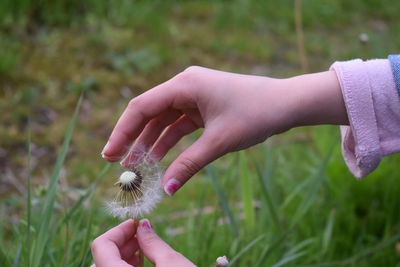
{"points": [[145, 224], [128, 161], [123, 163], [105, 148], [171, 186], [153, 159]]}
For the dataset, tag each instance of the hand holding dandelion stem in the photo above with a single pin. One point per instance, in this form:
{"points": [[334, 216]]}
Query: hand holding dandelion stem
{"points": [[236, 112], [118, 247], [139, 191]]}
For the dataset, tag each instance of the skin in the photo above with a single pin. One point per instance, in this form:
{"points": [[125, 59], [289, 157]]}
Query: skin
{"points": [[236, 111], [118, 247]]}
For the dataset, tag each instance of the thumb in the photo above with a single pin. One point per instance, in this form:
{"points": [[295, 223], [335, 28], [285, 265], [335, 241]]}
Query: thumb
{"points": [[156, 250], [206, 149]]}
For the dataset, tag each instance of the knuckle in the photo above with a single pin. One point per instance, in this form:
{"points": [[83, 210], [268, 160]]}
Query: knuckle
{"points": [[190, 75], [149, 239], [158, 122], [95, 246], [192, 69], [179, 131], [216, 143], [133, 103], [189, 166], [171, 256]]}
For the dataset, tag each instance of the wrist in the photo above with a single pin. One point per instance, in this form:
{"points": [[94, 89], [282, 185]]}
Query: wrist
{"points": [[316, 99]]}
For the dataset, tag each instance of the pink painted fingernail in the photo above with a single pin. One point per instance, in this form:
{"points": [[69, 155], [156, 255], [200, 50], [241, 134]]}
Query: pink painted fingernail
{"points": [[171, 186], [145, 224]]}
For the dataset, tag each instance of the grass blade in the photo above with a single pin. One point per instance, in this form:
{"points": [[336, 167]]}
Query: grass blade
{"points": [[245, 249], [71, 211], [247, 191], [222, 199], [288, 259], [272, 247], [294, 253], [46, 214], [29, 197], [326, 238], [315, 182], [365, 253], [17, 257], [268, 198]]}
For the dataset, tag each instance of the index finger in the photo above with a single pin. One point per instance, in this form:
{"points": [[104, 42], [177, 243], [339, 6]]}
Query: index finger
{"points": [[106, 248], [137, 114]]}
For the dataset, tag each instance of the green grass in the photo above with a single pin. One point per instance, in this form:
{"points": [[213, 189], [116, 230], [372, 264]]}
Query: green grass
{"points": [[323, 220], [288, 202]]}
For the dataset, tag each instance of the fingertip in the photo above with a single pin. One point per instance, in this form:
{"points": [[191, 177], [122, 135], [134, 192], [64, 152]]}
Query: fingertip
{"points": [[117, 146], [128, 225], [110, 158], [145, 225], [105, 147], [105, 153], [155, 249]]}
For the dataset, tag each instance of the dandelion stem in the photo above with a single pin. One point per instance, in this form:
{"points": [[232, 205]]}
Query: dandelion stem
{"points": [[139, 252]]}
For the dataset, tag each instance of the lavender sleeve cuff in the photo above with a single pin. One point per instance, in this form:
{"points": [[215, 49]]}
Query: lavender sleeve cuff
{"points": [[395, 63], [373, 109]]}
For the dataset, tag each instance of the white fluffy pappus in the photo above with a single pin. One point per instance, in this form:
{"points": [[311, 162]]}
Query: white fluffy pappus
{"points": [[140, 189]]}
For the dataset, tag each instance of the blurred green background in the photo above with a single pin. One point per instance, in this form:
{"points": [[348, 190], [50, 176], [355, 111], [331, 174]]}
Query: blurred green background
{"points": [[288, 202]]}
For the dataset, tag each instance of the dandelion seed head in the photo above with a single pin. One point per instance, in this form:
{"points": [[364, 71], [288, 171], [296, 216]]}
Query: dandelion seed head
{"points": [[127, 177], [140, 188]]}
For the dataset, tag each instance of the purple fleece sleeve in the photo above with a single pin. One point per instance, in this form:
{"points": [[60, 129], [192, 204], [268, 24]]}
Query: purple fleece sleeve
{"points": [[373, 108]]}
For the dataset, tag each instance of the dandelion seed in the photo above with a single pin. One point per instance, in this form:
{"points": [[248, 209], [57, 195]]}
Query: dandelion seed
{"points": [[139, 189]]}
